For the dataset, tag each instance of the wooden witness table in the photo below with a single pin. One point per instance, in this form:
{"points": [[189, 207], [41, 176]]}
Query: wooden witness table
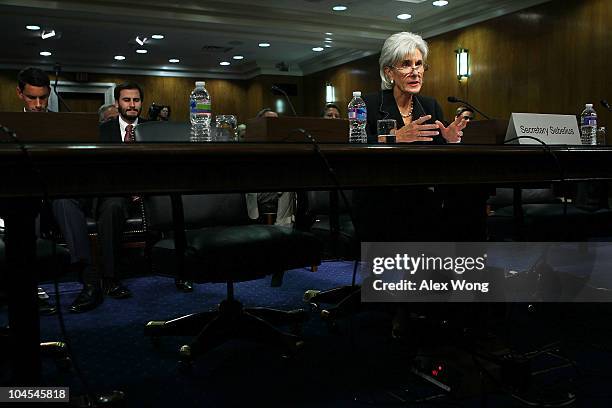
{"points": [[90, 170], [73, 170]]}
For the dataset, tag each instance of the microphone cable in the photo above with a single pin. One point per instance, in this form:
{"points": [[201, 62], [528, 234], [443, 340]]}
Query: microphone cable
{"points": [[334, 178], [60, 316], [58, 69], [561, 170]]}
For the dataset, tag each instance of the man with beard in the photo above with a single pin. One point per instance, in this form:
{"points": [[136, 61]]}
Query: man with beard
{"points": [[33, 88], [112, 212]]}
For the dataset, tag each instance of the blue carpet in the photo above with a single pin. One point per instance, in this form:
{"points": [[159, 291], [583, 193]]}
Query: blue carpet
{"points": [[354, 365]]}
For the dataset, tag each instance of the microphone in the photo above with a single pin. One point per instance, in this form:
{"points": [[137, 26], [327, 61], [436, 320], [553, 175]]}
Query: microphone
{"points": [[58, 70], [453, 99], [606, 105], [277, 89]]}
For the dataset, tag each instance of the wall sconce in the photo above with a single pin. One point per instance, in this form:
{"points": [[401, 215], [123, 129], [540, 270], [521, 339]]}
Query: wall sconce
{"points": [[463, 63], [330, 93]]}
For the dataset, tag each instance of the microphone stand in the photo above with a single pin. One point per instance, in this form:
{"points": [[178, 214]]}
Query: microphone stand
{"points": [[277, 89], [58, 69], [456, 100]]}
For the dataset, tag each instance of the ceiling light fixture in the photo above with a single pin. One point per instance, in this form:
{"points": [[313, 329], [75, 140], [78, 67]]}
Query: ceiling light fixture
{"points": [[157, 36], [33, 27], [141, 51], [140, 41], [224, 63], [327, 46], [339, 7], [440, 3], [318, 49], [328, 39], [174, 60], [119, 57], [264, 45], [238, 57], [45, 53], [404, 16], [47, 34], [329, 33]]}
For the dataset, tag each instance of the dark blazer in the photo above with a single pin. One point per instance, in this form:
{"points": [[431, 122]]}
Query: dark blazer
{"points": [[382, 105], [110, 132]]}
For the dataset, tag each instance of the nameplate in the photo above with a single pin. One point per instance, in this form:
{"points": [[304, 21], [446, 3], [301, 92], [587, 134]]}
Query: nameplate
{"points": [[550, 129]]}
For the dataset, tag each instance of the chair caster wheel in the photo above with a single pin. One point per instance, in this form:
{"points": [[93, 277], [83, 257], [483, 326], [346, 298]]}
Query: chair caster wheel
{"points": [[309, 295]]}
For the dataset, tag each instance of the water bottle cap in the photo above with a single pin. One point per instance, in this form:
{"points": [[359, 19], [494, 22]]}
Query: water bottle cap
{"points": [[200, 83], [357, 93], [588, 105]]}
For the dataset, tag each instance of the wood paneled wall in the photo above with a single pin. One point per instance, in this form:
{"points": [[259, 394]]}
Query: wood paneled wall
{"points": [[551, 58], [238, 97]]}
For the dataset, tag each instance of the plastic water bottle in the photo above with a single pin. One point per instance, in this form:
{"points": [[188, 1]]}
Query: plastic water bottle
{"points": [[358, 116], [588, 125], [200, 114]]}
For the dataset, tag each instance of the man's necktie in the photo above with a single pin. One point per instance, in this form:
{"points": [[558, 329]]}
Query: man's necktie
{"points": [[129, 134]]}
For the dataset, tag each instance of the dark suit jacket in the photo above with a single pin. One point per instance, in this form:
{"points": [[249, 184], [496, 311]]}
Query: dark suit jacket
{"points": [[382, 105], [110, 132]]}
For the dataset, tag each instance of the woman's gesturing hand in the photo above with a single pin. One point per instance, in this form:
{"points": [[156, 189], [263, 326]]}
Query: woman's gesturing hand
{"points": [[454, 131], [416, 131]]}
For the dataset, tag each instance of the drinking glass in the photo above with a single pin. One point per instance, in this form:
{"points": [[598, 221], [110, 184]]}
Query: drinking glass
{"points": [[225, 128], [384, 128]]}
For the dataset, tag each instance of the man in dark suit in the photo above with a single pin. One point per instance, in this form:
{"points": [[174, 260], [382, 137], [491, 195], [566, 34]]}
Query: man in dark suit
{"points": [[33, 88], [112, 212]]}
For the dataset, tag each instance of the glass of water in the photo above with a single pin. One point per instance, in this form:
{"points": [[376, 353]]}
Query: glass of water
{"points": [[384, 128], [225, 128], [601, 136]]}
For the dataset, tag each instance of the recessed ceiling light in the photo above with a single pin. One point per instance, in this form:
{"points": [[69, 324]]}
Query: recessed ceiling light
{"points": [[45, 53], [33, 27], [224, 63], [317, 49], [238, 57], [339, 7], [174, 60], [141, 41], [119, 57], [440, 3], [327, 46], [329, 33], [47, 34], [404, 16], [264, 45], [157, 36], [141, 51], [328, 41]]}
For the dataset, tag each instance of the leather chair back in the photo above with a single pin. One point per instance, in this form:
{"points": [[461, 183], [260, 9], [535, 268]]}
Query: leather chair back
{"points": [[159, 132], [201, 210]]}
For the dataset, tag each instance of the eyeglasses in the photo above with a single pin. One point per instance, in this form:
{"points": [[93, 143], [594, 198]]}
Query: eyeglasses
{"points": [[407, 69]]}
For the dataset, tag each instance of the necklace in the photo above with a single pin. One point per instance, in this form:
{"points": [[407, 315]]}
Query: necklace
{"points": [[409, 114]]}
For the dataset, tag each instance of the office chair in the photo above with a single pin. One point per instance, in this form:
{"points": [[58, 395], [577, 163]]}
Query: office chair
{"points": [[216, 242], [209, 238], [543, 216]]}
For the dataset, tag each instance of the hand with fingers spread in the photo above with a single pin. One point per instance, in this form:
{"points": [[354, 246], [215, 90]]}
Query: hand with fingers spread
{"points": [[453, 132], [417, 131]]}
